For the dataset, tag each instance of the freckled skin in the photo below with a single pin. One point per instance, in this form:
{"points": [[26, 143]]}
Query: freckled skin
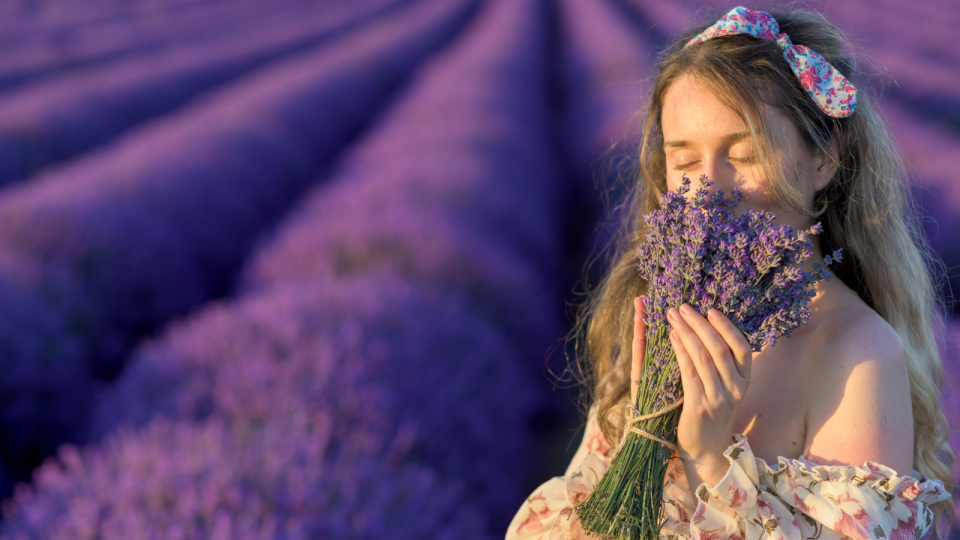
{"points": [[692, 113]]}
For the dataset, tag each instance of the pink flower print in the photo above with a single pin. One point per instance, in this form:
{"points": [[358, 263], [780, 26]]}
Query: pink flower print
{"points": [[905, 530], [576, 489], [811, 80], [738, 497], [537, 504], [719, 534], [854, 520], [911, 491], [801, 505], [698, 515], [598, 443], [906, 512], [904, 509], [876, 473], [749, 15]]}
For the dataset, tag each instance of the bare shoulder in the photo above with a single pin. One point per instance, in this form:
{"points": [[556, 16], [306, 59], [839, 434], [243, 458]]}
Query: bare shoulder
{"points": [[858, 391]]}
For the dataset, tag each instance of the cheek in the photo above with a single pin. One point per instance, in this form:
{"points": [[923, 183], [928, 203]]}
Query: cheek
{"points": [[675, 177]]}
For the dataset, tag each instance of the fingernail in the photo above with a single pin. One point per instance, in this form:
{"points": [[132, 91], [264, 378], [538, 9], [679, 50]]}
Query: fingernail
{"points": [[686, 309], [712, 314], [673, 314]]}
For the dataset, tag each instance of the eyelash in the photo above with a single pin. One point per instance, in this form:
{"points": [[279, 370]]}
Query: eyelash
{"points": [[744, 161]]}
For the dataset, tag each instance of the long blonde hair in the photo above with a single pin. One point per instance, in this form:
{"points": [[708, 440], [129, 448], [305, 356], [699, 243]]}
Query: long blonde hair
{"points": [[866, 209]]}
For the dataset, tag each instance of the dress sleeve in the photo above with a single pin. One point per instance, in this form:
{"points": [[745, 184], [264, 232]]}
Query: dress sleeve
{"points": [[800, 500], [548, 512]]}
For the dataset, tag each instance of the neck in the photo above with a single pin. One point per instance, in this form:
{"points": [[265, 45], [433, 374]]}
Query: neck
{"points": [[822, 287]]}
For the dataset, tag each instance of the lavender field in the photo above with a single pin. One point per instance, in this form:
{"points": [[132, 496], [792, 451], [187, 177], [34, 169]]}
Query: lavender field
{"points": [[303, 269]]}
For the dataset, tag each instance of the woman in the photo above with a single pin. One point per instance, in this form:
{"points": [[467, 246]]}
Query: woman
{"points": [[846, 411]]}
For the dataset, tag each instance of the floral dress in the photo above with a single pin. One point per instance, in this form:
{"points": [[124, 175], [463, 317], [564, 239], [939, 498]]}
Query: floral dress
{"points": [[798, 500]]}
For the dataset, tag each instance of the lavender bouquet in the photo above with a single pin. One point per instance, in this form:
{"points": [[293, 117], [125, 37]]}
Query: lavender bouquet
{"points": [[701, 253]]}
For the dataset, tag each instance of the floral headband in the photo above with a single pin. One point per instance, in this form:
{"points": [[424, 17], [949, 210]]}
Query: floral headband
{"points": [[827, 87]]}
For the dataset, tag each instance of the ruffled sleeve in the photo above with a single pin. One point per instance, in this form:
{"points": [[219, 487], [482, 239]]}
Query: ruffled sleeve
{"points": [[548, 512], [801, 500], [798, 500]]}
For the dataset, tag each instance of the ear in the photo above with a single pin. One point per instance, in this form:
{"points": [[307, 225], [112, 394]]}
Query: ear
{"points": [[827, 162]]}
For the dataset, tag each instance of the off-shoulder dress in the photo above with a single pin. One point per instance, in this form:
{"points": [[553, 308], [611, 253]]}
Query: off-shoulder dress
{"points": [[795, 500]]}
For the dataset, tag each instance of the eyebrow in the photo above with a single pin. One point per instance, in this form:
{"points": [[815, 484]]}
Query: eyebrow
{"points": [[726, 138]]}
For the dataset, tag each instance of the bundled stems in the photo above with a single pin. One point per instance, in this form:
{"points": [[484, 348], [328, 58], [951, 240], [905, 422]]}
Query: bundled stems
{"points": [[632, 488]]}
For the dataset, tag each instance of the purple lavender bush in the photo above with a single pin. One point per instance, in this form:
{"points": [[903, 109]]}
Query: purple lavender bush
{"points": [[47, 123], [38, 53], [290, 478], [698, 252], [374, 351], [350, 339], [341, 232], [606, 74], [932, 155], [152, 236], [144, 231], [456, 188], [918, 71], [41, 394]]}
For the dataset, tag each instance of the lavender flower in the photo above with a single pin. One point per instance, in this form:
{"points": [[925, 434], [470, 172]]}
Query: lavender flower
{"points": [[290, 478], [374, 350], [698, 251], [701, 253], [128, 237], [76, 112]]}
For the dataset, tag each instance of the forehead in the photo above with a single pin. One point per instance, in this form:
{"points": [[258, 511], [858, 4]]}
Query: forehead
{"points": [[692, 112], [689, 108]]}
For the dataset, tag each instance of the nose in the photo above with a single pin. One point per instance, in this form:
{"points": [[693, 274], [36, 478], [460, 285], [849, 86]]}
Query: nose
{"points": [[720, 172]]}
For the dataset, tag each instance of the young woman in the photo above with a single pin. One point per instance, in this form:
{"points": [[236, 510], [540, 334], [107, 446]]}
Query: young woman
{"points": [[835, 432]]}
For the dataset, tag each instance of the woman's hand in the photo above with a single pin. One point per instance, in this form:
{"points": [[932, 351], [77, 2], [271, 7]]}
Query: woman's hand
{"points": [[715, 360], [639, 346]]}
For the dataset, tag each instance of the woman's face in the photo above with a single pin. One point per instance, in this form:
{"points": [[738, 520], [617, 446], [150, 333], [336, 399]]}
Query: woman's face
{"points": [[703, 136]]}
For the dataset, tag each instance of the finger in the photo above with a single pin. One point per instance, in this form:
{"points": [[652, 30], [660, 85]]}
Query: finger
{"points": [[700, 356], [689, 379], [723, 360], [639, 347], [742, 352]]}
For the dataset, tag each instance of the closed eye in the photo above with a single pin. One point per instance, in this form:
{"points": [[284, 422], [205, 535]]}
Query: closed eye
{"points": [[685, 166]]}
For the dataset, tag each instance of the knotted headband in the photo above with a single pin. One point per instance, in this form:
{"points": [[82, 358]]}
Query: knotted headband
{"points": [[827, 87]]}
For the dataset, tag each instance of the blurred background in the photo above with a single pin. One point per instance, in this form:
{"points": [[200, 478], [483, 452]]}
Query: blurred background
{"points": [[302, 269]]}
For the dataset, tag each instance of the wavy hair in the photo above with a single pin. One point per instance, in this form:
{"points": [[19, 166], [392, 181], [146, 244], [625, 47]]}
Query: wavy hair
{"points": [[866, 209]]}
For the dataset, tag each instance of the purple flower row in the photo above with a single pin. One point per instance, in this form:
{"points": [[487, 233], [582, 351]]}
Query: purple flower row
{"points": [[932, 158], [606, 72], [293, 478], [53, 121], [41, 53], [406, 290], [118, 243], [457, 188], [374, 352]]}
